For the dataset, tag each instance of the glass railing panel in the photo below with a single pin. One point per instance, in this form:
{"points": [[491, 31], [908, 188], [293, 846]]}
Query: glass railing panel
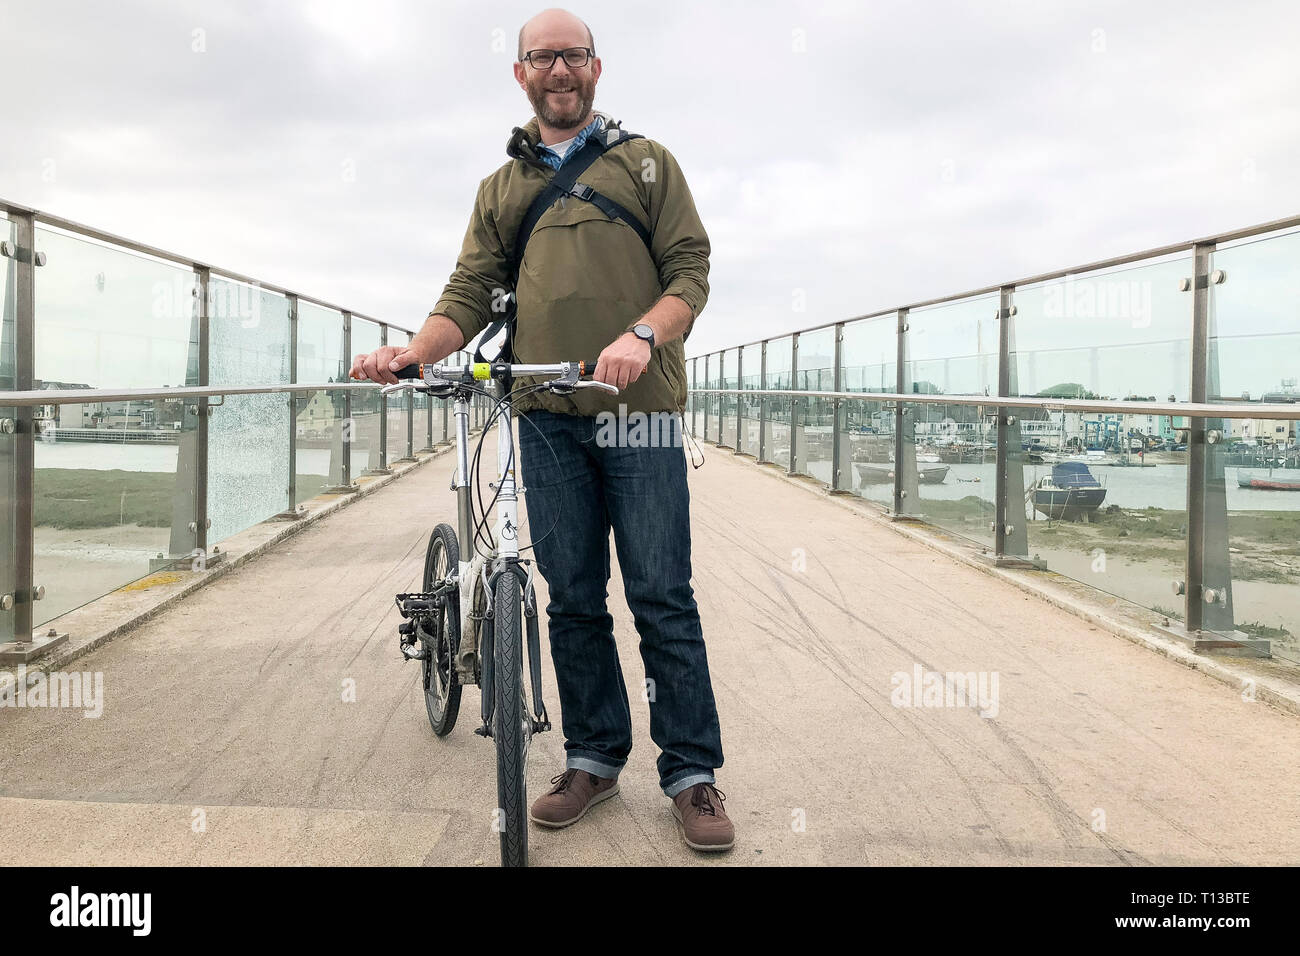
{"points": [[248, 435], [751, 379], [114, 481], [319, 415], [397, 408], [950, 475], [8, 382], [814, 435], [870, 364], [366, 404], [776, 442], [1105, 495], [1253, 356], [727, 404]]}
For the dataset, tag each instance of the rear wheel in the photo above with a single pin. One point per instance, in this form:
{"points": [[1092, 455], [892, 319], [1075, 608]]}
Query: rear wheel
{"points": [[510, 725], [441, 686]]}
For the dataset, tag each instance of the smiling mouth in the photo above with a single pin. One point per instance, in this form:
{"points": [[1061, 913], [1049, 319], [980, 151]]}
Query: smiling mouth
{"points": [[568, 89]]}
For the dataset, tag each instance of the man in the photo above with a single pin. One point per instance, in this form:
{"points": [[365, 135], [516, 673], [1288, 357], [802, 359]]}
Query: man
{"points": [[594, 283]]}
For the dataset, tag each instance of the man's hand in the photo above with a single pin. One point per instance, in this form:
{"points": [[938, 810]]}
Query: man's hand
{"points": [[623, 361], [380, 364]]}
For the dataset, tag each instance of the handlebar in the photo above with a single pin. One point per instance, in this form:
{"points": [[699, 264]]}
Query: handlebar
{"points": [[565, 375], [496, 370]]}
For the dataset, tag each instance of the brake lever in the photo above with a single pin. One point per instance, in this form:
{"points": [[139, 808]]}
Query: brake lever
{"points": [[612, 389], [405, 383]]}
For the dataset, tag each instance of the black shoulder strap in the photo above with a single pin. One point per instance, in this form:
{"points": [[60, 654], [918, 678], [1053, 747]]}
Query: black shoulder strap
{"points": [[565, 183]]}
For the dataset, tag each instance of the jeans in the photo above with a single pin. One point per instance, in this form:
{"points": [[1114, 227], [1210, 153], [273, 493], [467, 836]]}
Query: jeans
{"points": [[577, 487]]}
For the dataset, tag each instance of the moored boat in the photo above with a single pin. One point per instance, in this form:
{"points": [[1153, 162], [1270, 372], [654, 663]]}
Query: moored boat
{"points": [[873, 474], [1267, 483], [1070, 492]]}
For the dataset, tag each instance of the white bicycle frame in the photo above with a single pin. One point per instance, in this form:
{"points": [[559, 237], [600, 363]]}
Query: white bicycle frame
{"points": [[474, 567]]}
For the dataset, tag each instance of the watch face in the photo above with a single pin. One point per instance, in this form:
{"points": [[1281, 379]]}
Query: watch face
{"points": [[643, 332]]}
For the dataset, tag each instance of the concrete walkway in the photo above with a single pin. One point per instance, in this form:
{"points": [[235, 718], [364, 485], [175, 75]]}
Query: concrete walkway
{"points": [[227, 737]]}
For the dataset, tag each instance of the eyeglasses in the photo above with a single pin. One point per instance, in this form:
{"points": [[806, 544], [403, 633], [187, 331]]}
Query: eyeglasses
{"points": [[575, 57]]}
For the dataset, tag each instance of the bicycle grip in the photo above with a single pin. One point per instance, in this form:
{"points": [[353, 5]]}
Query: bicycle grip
{"points": [[410, 371]]}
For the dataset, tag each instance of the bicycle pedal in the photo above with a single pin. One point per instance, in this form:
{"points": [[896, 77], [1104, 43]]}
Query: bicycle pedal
{"points": [[484, 731], [413, 651]]}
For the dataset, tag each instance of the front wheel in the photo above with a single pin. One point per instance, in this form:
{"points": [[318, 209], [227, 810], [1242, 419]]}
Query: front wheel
{"points": [[510, 723]]}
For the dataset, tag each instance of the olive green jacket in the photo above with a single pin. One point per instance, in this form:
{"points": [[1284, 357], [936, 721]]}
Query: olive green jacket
{"points": [[585, 279]]}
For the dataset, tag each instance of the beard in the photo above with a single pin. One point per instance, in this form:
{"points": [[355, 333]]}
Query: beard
{"points": [[562, 117]]}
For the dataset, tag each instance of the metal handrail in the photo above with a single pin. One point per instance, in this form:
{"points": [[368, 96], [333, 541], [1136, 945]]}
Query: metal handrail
{"points": [[1188, 409], [77, 396]]}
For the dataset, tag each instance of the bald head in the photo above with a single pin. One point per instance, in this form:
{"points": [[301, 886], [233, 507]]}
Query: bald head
{"points": [[554, 29]]}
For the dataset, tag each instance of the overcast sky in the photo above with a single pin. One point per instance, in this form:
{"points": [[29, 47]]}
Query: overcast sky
{"points": [[851, 156]]}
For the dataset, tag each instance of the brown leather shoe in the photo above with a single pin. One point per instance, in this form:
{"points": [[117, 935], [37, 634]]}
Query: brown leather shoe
{"points": [[704, 823], [575, 792]]}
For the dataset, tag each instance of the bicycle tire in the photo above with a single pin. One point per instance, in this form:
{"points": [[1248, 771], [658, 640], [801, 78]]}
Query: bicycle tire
{"points": [[509, 719], [442, 699]]}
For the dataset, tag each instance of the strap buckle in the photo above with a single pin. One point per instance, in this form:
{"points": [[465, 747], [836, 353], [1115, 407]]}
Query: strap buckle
{"points": [[581, 191]]}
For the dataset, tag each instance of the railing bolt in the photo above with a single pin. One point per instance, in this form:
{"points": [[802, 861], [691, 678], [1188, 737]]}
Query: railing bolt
{"points": [[38, 592], [8, 426], [1218, 277], [1184, 285], [6, 602], [39, 258], [1180, 587]]}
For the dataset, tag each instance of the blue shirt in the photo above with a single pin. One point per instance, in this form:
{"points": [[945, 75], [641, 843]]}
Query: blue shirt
{"points": [[551, 158]]}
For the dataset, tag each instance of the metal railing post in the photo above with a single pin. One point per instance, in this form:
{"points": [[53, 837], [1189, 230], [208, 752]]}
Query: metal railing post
{"points": [[24, 593], [740, 399], [900, 412], [428, 424], [762, 401], [709, 397], [722, 399], [383, 412], [795, 442], [201, 520], [1010, 530], [1208, 587], [293, 403], [410, 420], [348, 425], [1192, 598], [838, 407]]}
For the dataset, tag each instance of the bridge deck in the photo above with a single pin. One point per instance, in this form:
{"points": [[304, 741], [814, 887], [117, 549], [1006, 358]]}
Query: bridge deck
{"points": [[1101, 752]]}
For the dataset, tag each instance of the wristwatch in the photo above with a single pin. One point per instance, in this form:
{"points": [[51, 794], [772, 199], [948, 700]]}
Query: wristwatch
{"points": [[645, 333]]}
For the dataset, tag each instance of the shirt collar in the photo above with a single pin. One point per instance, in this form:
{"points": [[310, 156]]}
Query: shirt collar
{"points": [[551, 158]]}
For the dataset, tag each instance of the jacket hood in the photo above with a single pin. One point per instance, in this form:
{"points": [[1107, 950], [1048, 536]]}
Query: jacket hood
{"points": [[523, 141]]}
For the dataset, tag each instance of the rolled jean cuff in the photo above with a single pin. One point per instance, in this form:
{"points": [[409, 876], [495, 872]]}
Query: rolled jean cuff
{"points": [[690, 780], [592, 763]]}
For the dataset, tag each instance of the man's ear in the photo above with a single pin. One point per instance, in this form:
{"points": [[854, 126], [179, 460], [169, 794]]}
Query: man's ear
{"points": [[519, 75], [595, 68]]}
